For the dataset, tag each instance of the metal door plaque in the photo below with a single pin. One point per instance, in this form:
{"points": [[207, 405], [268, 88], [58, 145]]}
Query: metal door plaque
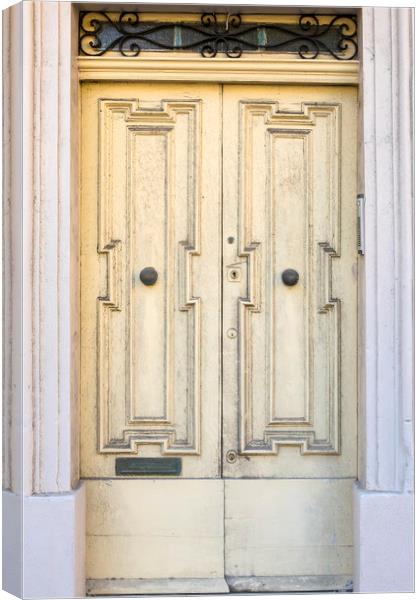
{"points": [[148, 466]]}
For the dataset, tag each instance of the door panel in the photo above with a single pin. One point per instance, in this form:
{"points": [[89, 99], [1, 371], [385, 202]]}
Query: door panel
{"points": [[263, 501], [289, 368], [151, 361], [289, 378]]}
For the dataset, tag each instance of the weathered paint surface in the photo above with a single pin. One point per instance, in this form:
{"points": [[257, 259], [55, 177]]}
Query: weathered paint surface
{"points": [[264, 490]]}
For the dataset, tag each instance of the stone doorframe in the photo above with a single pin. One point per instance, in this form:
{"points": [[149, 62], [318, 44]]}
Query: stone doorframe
{"points": [[43, 501]]}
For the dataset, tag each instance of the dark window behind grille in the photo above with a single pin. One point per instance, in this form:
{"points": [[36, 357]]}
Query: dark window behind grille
{"points": [[307, 36]]}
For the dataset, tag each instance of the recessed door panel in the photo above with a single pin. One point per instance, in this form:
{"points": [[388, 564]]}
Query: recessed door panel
{"points": [[288, 534], [152, 219]]}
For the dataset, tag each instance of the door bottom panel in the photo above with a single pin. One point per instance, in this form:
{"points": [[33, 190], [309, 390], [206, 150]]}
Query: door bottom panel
{"points": [[160, 536], [154, 529], [288, 528]]}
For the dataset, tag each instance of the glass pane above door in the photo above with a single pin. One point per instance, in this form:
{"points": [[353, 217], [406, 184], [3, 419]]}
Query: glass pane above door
{"points": [[305, 36]]}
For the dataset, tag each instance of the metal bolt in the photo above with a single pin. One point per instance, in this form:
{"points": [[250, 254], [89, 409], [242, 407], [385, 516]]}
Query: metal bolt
{"points": [[231, 456]]}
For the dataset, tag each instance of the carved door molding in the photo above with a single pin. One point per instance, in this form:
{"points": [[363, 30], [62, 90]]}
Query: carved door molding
{"points": [[248, 383], [290, 375]]}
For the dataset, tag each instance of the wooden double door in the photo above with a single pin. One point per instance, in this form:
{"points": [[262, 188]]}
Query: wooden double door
{"points": [[219, 336]]}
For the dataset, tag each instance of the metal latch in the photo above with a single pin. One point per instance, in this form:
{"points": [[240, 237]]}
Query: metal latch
{"points": [[360, 223]]}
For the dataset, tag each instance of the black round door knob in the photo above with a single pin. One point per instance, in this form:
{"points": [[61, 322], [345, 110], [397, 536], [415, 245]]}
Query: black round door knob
{"points": [[148, 276], [290, 277]]}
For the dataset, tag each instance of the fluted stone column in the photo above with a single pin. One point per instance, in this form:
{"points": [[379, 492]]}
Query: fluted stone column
{"points": [[43, 514], [383, 501]]}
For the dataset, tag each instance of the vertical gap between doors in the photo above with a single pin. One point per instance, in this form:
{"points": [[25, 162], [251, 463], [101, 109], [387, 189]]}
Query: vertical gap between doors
{"points": [[222, 266]]}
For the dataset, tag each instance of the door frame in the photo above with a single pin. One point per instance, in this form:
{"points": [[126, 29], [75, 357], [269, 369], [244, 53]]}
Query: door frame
{"points": [[44, 501]]}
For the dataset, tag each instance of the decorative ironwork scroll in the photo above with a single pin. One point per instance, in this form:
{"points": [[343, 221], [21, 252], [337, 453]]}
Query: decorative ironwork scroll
{"points": [[129, 34]]}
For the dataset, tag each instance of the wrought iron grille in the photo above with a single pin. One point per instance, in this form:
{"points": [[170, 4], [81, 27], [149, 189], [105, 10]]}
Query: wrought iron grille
{"points": [[128, 34]]}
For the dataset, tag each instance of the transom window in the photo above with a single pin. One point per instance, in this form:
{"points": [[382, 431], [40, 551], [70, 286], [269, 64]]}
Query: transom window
{"points": [[131, 33]]}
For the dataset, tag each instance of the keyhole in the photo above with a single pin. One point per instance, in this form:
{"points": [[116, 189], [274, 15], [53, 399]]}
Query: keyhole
{"points": [[234, 274]]}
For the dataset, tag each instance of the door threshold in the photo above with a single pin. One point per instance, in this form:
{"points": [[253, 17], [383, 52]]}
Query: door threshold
{"points": [[138, 587], [291, 583], [219, 585]]}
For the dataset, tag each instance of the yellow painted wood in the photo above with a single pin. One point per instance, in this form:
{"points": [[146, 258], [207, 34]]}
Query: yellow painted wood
{"points": [[289, 377], [165, 169], [288, 527], [151, 529], [183, 66], [190, 17], [289, 370], [150, 196]]}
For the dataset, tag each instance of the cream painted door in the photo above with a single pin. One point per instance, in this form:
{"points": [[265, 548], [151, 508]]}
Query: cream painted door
{"points": [[151, 359], [289, 351], [251, 383]]}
